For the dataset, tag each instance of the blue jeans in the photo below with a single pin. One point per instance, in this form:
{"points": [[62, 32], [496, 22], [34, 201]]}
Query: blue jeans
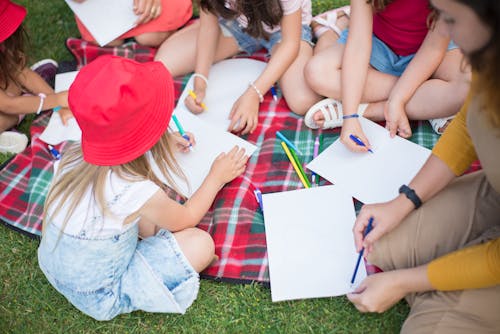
{"points": [[249, 44], [118, 274], [384, 59]]}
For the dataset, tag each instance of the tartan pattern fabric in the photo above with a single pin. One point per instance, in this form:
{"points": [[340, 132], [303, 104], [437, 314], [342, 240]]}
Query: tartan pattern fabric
{"points": [[235, 220]]}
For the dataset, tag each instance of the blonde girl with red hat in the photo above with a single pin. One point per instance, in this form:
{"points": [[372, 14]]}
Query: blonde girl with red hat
{"points": [[228, 27], [22, 91], [104, 196]]}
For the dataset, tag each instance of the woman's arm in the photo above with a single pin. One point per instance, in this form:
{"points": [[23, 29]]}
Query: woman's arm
{"points": [[245, 110], [355, 63], [379, 292], [431, 179], [421, 67]]}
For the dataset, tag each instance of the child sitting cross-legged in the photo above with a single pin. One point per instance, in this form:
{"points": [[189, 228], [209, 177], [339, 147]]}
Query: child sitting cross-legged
{"points": [[104, 196]]}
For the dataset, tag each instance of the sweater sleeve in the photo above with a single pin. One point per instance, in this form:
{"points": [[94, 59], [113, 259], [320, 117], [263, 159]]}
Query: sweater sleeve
{"points": [[469, 268], [455, 146]]}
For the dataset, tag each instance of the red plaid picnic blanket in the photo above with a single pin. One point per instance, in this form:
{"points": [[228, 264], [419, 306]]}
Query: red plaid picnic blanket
{"points": [[235, 220]]}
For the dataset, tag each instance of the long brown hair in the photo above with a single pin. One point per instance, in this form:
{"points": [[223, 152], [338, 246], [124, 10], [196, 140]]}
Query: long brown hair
{"points": [[12, 57], [485, 62], [379, 5], [75, 176], [257, 12]]}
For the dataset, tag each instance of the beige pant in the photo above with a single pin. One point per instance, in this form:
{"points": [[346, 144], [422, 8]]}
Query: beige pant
{"points": [[466, 212]]}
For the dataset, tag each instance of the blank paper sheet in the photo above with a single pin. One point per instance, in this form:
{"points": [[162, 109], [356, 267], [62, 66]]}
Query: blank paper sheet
{"points": [[310, 244]]}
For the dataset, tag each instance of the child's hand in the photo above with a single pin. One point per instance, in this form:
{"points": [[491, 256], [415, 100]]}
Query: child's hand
{"points": [[194, 105], [179, 143], [147, 9], [65, 115], [351, 126], [244, 114], [228, 166], [396, 119]]}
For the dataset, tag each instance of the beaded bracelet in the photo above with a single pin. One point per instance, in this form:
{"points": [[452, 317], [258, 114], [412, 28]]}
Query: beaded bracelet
{"points": [[261, 97], [350, 116], [202, 77], [42, 99]]}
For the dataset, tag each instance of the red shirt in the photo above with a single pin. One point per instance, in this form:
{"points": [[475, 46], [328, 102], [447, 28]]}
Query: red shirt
{"points": [[402, 25]]}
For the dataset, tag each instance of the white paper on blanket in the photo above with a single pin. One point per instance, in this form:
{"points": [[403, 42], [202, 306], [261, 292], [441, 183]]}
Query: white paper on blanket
{"points": [[371, 178], [227, 80], [210, 142], [310, 246], [105, 20], [56, 132]]}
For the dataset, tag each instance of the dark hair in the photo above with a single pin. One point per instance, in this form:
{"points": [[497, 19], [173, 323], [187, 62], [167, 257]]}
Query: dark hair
{"points": [[12, 57], [485, 61], [256, 12]]}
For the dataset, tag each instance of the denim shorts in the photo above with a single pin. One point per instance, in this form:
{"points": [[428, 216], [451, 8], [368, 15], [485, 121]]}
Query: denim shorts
{"points": [[384, 59], [249, 44], [118, 274]]}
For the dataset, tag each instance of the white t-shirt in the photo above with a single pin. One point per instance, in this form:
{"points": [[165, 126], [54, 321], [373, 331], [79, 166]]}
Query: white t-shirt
{"points": [[122, 197], [289, 7]]}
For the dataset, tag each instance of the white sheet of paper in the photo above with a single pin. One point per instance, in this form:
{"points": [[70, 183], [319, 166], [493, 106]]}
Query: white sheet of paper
{"points": [[56, 132], [228, 79], [210, 142], [310, 246], [371, 178], [105, 20]]}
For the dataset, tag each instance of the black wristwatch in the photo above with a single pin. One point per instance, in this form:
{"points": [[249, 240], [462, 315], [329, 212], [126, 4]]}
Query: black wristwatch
{"points": [[411, 195]]}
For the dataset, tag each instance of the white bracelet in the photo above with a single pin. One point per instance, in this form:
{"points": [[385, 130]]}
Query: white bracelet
{"points": [[202, 77], [261, 97], [42, 99]]}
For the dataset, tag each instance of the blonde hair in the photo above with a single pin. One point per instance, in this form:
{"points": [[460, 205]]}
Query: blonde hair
{"points": [[75, 176]]}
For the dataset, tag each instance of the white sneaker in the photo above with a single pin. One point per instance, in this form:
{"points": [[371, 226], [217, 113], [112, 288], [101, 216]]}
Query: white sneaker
{"points": [[13, 142]]}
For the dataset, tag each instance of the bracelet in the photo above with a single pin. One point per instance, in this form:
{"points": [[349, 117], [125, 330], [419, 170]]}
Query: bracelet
{"points": [[261, 97], [350, 116], [411, 195], [202, 77], [42, 99]]}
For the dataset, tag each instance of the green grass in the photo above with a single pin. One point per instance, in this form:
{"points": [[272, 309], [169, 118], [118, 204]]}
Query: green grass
{"points": [[28, 304]]}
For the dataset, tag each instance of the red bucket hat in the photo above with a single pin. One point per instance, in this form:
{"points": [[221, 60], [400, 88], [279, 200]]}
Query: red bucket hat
{"points": [[11, 17], [122, 107]]}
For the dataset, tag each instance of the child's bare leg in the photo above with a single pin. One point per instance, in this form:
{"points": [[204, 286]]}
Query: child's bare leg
{"points": [[292, 81], [153, 39], [444, 94], [198, 247], [8, 121], [178, 52], [328, 38]]}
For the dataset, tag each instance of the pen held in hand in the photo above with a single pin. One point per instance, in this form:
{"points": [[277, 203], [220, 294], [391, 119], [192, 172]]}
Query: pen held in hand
{"points": [[193, 95], [360, 256], [181, 131], [359, 142]]}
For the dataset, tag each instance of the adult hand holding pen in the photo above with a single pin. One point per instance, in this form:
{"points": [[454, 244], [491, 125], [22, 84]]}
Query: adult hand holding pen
{"points": [[386, 216]]}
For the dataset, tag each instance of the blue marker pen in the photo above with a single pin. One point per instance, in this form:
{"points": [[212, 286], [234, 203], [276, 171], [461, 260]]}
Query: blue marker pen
{"points": [[258, 197], [367, 230], [289, 143], [55, 153], [273, 92], [359, 142], [181, 131]]}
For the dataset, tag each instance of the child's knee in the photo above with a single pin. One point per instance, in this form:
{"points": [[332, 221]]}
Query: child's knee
{"points": [[198, 246]]}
